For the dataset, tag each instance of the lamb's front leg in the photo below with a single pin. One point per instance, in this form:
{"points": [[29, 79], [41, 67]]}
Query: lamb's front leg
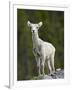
{"points": [[38, 65], [37, 57], [42, 64]]}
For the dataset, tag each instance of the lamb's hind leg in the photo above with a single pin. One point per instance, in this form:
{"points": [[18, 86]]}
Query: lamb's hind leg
{"points": [[52, 64], [49, 66], [42, 64]]}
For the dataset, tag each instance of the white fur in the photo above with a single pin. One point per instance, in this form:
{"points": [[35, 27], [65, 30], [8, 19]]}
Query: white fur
{"points": [[44, 52]]}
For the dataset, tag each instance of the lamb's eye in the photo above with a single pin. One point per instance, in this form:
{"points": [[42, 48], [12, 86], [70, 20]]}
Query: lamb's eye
{"points": [[37, 27]]}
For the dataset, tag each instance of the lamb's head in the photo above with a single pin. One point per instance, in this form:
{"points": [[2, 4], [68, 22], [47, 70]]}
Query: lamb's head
{"points": [[34, 27]]}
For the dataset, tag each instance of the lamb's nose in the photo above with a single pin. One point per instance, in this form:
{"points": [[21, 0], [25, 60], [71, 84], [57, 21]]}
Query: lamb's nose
{"points": [[33, 31]]}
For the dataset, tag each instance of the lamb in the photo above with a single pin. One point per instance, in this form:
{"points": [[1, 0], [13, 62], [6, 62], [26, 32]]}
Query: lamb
{"points": [[43, 51]]}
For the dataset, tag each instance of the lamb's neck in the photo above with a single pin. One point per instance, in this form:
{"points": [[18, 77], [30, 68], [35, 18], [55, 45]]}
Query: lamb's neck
{"points": [[35, 39]]}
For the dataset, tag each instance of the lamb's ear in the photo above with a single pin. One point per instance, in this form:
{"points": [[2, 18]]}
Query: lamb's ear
{"points": [[40, 24], [28, 23]]}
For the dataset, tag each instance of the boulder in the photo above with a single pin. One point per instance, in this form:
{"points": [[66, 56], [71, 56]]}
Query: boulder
{"points": [[59, 74]]}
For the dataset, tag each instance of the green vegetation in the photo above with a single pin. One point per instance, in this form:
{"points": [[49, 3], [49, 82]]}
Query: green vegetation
{"points": [[52, 31]]}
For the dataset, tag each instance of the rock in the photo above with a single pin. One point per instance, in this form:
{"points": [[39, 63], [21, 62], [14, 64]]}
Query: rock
{"points": [[59, 74], [45, 77]]}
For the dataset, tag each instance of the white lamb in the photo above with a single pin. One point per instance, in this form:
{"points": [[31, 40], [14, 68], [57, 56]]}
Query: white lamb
{"points": [[44, 52]]}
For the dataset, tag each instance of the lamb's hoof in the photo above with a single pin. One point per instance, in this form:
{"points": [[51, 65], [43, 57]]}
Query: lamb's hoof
{"points": [[51, 74], [39, 75], [43, 74], [55, 72]]}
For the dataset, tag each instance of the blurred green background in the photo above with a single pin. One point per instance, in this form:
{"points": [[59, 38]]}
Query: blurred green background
{"points": [[51, 31]]}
